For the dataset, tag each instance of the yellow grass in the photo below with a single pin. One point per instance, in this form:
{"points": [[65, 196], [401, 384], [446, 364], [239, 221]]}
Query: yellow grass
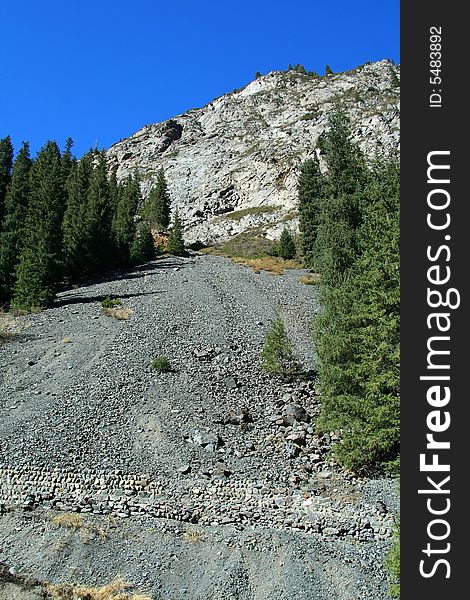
{"points": [[271, 264], [87, 529], [310, 279], [122, 314], [69, 520], [194, 536], [116, 590], [9, 326]]}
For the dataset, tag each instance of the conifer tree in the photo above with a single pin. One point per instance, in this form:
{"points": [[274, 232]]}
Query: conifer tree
{"points": [[335, 246], [11, 234], [143, 247], [38, 269], [175, 243], [278, 355], [357, 336], [6, 163], [67, 161], [113, 191], [99, 217], [311, 190], [345, 162], [394, 81], [123, 225], [157, 207], [286, 248], [74, 226], [300, 69], [328, 70]]}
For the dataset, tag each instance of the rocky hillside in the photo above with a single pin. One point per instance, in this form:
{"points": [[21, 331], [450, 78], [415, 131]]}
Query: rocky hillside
{"points": [[233, 164]]}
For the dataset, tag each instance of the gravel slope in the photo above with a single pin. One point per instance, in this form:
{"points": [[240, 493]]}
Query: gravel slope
{"points": [[88, 426]]}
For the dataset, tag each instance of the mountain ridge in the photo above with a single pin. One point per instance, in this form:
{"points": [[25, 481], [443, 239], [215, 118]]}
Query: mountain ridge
{"points": [[233, 164]]}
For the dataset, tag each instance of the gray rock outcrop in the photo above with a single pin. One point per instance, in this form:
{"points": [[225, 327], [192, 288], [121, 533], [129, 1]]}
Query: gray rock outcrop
{"points": [[233, 165]]}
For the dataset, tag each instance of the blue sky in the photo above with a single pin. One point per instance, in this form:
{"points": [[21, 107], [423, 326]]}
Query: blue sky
{"points": [[99, 70]]}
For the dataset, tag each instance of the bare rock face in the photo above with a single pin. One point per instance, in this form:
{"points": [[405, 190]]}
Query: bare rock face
{"points": [[233, 165]]}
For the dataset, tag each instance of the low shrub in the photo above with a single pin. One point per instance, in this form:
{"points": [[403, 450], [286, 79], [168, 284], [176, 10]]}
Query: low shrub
{"points": [[109, 302], [278, 355], [248, 244], [161, 364]]}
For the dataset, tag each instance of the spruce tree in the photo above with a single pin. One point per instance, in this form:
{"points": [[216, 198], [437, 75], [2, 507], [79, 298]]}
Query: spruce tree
{"points": [[278, 355], [38, 269], [300, 69], [113, 190], [143, 247], [345, 161], [175, 243], [99, 217], [357, 336], [6, 163], [311, 191], [286, 248], [74, 226], [11, 234], [157, 207], [328, 70], [335, 246], [67, 161], [123, 225]]}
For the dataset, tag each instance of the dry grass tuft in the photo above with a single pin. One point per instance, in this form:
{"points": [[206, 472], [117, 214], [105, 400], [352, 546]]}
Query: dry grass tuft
{"points": [[271, 264], [87, 530], [69, 520], [116, 590], [121, 314], [194, 536], [9, 326], [310, 279]]}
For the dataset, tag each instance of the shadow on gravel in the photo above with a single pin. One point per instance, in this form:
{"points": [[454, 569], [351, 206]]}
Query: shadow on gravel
{"points": [[78, 299], [20, 336], [74, 297]]}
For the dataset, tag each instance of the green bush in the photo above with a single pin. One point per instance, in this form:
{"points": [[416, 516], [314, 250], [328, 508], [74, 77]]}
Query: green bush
{"points": [[248, 244], [278, 355], [161, 364], [109, 302]]}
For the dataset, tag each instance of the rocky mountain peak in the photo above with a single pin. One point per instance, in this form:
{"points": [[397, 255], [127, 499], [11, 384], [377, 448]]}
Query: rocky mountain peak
{"points": [[233, 164]]}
